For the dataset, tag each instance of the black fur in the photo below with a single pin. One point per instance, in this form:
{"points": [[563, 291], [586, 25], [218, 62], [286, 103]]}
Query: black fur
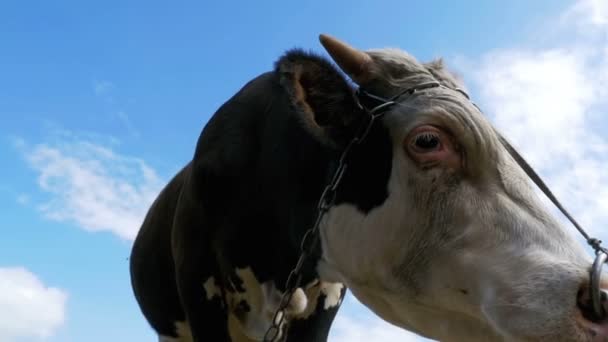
{"points": [[250, 193]]}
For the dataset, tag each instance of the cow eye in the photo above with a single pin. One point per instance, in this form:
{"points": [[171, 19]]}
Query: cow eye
{"points": [[426, 142]]}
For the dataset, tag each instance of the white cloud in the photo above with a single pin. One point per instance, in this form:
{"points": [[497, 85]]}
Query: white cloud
{"points": [[550, 104], [588, 14], [106, 91], [30, 309], [94, 187], [126, 121], [102, 87], [23, 199]]}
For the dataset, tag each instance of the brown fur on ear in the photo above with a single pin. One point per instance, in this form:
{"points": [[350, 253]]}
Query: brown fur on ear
{"points": [[320, 93], [300, 96]]}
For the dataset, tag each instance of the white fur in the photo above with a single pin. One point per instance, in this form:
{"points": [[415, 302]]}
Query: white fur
{"points": [[333, 294], [211, 289], [456, 255], [263, 299]]}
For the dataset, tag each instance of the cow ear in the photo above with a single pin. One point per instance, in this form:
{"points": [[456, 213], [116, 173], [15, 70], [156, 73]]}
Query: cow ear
{"points": [[321, 95]]}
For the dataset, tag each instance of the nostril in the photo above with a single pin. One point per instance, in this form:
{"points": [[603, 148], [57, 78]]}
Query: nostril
{"points": [[585, 304]]}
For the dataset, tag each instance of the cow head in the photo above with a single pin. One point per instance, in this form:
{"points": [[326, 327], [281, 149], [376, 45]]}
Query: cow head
{"points": [[436, 227]]}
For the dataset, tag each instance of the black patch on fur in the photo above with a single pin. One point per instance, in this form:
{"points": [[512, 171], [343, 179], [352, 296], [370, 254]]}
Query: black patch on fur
{"points": [[305, 330], [251, 192], [243, 305], [332, 98], [365, 182]]}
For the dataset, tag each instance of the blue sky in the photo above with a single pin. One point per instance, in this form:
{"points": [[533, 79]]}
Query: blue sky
{"points": [[101, 103]]}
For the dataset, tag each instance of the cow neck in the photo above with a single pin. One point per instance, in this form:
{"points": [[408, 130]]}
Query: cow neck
{"points": [[311, 238]]}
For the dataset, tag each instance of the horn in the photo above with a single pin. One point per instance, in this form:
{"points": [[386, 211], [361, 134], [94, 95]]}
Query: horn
{"points": [[353, 62]]}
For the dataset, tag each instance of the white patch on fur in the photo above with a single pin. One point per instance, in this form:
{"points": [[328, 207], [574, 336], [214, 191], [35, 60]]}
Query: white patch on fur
{"points": [[211, 289], [312, 291], [361, 248], [262, 299], [183, 331], [298, 302], [333, 294], [183, 334]]}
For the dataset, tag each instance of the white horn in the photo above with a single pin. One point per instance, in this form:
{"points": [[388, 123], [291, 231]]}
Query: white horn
{"points": [[353, 62]]}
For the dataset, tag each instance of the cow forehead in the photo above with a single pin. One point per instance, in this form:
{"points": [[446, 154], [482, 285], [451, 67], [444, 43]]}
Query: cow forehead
{"points": [[396, 70], [450, 110]]}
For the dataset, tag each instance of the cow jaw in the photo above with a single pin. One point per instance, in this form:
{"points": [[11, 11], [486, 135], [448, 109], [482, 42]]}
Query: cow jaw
{"points": [[382, 254], [457, 259]]}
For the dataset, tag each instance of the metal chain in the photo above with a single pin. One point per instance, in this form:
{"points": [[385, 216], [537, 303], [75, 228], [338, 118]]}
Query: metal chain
{"points": [[311, 236]]}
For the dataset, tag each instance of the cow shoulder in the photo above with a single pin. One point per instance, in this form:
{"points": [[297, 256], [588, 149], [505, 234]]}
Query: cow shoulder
{"points": [[305, 101], [303, 86]]}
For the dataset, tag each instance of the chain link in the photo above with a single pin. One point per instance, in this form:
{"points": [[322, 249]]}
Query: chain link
{"points": [[310, 239]]}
